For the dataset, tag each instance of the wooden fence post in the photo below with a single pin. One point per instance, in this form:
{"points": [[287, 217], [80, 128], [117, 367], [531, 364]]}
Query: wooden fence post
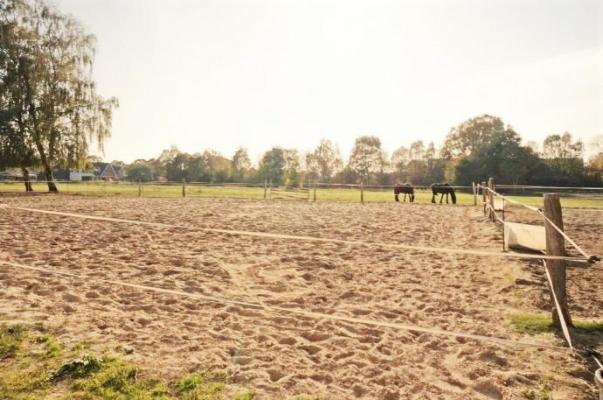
{"points": [[491, 199], [314, 190], [474, 193], [555, 246], [183, 188], [139, 188], [362, 191], [484, 196]]}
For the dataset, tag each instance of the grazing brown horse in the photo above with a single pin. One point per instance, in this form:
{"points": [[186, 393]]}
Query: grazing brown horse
{"points": [[442, 189], [406, 189]]}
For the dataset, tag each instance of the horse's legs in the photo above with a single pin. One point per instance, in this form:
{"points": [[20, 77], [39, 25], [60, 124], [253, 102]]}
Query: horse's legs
{"points": [[433, 195], [446, 197], [441, 197], [404, 200]]}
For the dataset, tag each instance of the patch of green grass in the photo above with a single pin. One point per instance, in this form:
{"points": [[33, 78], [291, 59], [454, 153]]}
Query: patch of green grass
{"points": [[543, 392], [531, 323], [36, 366], [247, 395], [113, 378], [199, 387], [588, 326], [52, 348], [10, 339]]}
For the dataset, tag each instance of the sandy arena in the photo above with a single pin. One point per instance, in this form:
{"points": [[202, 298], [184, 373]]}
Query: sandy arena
{"points": [[283, 355]]}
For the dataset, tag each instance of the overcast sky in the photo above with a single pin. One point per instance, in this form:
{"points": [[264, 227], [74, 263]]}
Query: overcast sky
{"points": [[226, 73]]}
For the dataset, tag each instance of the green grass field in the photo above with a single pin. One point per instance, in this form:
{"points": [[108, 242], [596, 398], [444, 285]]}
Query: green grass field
{"points": [[322, 194]]}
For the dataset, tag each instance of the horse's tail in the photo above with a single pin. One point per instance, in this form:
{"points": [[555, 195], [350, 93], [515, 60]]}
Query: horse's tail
{"points": [[453, 196]]}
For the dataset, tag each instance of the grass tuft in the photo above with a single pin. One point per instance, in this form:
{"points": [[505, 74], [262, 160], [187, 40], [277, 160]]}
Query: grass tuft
{"points": [[543, 392], [532, 323], [199, 387], [10, 339], [77, 368]]}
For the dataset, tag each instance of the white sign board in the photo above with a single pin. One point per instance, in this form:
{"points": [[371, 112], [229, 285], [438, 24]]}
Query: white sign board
{"points": [[524, 236]]}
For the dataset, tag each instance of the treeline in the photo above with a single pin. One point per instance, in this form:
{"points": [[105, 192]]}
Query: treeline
{"points": [[477, 149]]}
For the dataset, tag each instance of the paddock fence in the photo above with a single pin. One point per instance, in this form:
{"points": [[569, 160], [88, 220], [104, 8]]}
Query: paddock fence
{"points": [[548, 239], [574, 197]]}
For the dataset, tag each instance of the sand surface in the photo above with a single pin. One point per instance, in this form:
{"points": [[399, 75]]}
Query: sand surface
{"points": [[281, 355]]}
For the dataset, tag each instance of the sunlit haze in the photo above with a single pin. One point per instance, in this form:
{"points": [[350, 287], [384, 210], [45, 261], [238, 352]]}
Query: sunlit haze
{"points": [[223, 74]]}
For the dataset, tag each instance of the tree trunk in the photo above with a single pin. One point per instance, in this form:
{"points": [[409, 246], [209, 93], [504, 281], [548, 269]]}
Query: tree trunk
{"points": [[26, 180], [52, 187]]}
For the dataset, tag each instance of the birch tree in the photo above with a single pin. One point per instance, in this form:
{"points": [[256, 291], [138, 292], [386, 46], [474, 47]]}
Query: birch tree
{"points": [[46, 78]]}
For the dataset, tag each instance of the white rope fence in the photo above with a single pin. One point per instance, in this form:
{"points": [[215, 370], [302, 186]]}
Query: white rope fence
{"points": [[284, 310], [268, 235]]}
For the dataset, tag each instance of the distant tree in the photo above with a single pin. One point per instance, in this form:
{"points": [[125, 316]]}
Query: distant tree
{"points": [[176, 167], [473, 134], [272, 165], [595, 162], [241, 164], [139, 171], [562, 146], [417, 150], [46, 63], [292, 175], [312, 167], [503, 158], [399, 159], [327, 160], [367, 157], [430, 152], [563, 156], [218, 167]]}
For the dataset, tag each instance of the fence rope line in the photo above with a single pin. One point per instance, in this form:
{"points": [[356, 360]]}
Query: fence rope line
{"points": [[267, 235], [569, 239], [591, 258], [309, 314]]}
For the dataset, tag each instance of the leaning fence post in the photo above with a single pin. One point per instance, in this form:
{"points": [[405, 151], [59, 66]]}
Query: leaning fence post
{"points": [[491, 199], [183, 188], [555, 246]]}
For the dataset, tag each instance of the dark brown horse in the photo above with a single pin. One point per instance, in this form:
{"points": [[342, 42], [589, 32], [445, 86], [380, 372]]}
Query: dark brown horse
{"points": [[406, 189], [443, 189]]}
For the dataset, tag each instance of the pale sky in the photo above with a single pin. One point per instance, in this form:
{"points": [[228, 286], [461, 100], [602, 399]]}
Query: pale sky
{"points": [[226, 73]]}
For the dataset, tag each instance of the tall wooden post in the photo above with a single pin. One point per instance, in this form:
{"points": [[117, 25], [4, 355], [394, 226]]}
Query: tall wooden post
{"points": [[473, 187], [183, 188], [555, 246], [362, 191], [139, 189], [265, 188], [484, 196], [491, 199]]}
